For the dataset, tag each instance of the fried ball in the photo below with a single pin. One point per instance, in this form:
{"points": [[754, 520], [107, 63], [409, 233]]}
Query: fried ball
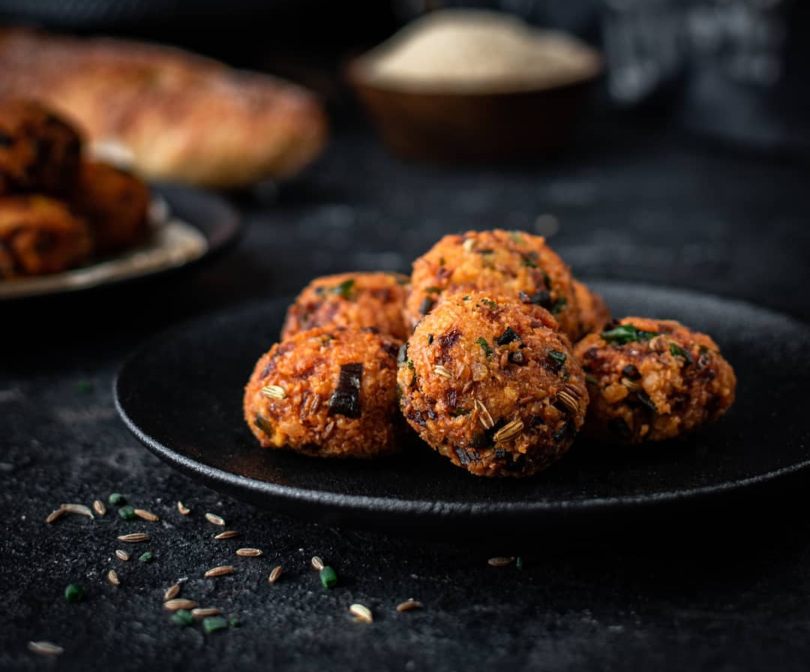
{"points": [[492, 385], [502, 263], [39, 235], [38, 150], [651, 380], [116, 205], [593, 312], [357, 300], [326, 393]]}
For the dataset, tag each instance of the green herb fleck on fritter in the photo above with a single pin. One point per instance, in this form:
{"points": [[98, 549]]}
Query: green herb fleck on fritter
{"points": [[484, 346], [626, 333]]}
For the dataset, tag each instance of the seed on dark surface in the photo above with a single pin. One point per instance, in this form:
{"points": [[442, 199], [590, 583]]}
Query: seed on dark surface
{"points": [[507, 337], [213, 624], [275, 574], [222, 570], [78, 509], [500, 561], [205, 612], [361, 613], [409, 605], [55, 515], [249, 552], [148, 556], [146, 515], [99, 508], [183, 509], [345, 400], [214, 519], [112, 577], [317, 563], [328, 577], [116, 499], [44, 648], [171, 592], [74, 593], [127, 512], [180, 603], [182, 617], [123, 556], [134, 538], [227, 534]]}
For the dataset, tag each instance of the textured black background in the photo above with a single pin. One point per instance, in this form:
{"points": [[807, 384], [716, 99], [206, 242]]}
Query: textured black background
{"points": [[718, 590]]}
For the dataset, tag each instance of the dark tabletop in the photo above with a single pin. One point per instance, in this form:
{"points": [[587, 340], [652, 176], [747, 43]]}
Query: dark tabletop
{"points": [[722, 588]]}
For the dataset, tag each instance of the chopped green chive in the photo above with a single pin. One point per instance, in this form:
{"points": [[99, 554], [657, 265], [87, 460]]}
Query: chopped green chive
{"points": [[489, 303], [457, 412], [214, 623], [484, 346], [530, 259], [677, 351], [344, 289], [557, 357], [146, 557], [116, 499], [626, 333], [127, 512], [74, 593], [329, 577], [507, 336], [182, 617]]}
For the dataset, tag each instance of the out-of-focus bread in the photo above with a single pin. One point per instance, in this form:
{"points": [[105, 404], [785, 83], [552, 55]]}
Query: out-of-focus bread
{"points": [[176, 116]]}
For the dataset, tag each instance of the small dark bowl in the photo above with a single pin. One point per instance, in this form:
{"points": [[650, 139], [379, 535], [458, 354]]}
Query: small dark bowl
{"points": [[472, 127]]}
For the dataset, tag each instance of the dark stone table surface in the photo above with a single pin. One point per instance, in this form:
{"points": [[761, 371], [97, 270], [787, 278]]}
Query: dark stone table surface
{"points": [[720, 589]]}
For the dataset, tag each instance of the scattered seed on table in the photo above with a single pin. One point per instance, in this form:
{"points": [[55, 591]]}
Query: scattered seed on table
{"points": [[214, 519], [361, 613], [214, 623], [99, 507], [79, 509], [45, 648], [146, 515], [500, 561], [123, 556], [182, 617], [116, 499], [201, 613], [127, 512], [180, 603], [148, 556], [227, 534], [328, 576], [249, 552], [134, 538], [112, 577], [171, 592], [275, 574], [55, 515], [317, 563], [183, 509], [74, 593], [222, 570], [409, 605]]}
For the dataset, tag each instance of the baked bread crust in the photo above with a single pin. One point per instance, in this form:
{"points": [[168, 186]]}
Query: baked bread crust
{"points": [[177, 116]]}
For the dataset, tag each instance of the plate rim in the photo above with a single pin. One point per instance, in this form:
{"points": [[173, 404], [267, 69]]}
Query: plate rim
{"points": [[231, 231], [353, 503]]}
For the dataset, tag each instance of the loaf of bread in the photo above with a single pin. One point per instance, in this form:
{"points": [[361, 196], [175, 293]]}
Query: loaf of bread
{"points": [[169, 114]]}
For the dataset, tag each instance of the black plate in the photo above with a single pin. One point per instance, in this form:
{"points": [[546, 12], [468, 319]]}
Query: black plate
{"points": [[181, 395], [211, 215]]}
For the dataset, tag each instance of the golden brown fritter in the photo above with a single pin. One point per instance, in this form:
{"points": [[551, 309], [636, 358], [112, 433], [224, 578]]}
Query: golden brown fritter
{"points": [[653, 379], [326, 393], [492, 385], [503, 263], [39, 152], [358, 300], [116, 205], [593, 311], [39, 235]]}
